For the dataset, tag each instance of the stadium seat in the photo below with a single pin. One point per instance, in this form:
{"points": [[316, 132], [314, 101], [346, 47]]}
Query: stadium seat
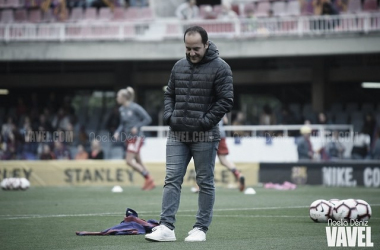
{"points": [[370, 5], [295, 108], [76, 14], [354, 6], [262, 9], [378, 117], [90, 15], [132, 13], [367, 108], [307, 109], [35, 16], [146, 14], [356, 116], [358, 125], [341, 118], [218, 9], [312, 117], [48, 16], [118, 14], [249, 8], [294, 8], [7, 16], [352, 107], [20, 15], [105, 14], [336, 108], [3, 4], [13, 3], [279, 8]]}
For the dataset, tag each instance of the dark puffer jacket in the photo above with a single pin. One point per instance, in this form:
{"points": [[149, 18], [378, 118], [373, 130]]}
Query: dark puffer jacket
{"points": [[199, 95]]}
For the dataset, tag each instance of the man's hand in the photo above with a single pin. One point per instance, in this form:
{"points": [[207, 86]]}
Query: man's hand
{"points": [[134, 131], [116, 135]]}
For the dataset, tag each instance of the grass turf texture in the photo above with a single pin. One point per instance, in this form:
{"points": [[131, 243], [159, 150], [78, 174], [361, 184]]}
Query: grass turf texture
{"points": [[47, 218]]}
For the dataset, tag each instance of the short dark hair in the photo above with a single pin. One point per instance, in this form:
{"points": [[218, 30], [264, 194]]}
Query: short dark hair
{"points": [[197, 29]]}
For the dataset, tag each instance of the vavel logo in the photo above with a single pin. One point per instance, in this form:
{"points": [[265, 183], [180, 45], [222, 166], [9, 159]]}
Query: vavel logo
{"points": [[348, 234]]}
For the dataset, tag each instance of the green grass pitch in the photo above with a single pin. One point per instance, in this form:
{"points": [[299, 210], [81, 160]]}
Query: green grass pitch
{"points": [[47, 218]]}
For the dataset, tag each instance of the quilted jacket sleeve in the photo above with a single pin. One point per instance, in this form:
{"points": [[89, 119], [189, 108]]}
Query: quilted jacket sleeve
{"points": [[169, 99], [224, 96]]}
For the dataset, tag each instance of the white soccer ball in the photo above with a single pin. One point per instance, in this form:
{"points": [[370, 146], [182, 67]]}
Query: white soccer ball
{"points": [[345, 210], [334, 201], [321, 211], [364, 210], [24, 184], [4, 184], [14, 183]]}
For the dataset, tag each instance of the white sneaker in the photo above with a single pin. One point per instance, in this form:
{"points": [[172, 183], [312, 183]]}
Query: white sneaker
{"points": [[196, 235], [161, 233]]}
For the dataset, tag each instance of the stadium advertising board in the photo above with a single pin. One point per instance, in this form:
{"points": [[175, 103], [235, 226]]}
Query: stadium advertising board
{"points": [[108, 173], [332, 174]]}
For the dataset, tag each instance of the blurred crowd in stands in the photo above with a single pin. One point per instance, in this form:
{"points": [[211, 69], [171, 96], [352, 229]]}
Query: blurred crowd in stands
{"points": [[108, 10], [44, 130], [64, 135]]}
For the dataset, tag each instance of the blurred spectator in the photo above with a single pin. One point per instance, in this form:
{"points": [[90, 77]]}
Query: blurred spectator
{"points": [[45, 5], [3, 147], [227, 13], [61, 120], [61, 152], [340, 5], [81, 153], [7, 128], [334, 148], [21, 108], [304, 147], [138, 3], [328, 8], [318, 6], [239, 121], [188, 10], [52, 104], [376, 147], [44, 124], [361, 145], [60, 10], [25, 127], [46, 153], [113, 120], [83, 137], [270, 13], [369, 127], [322, 119], [105, 3], [96, 151], [34, 105], [287, 117], [267, 116], [76, 3]]}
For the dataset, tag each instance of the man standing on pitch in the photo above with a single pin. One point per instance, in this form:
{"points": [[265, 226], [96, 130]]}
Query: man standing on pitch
{"points": [[198, 95]]}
